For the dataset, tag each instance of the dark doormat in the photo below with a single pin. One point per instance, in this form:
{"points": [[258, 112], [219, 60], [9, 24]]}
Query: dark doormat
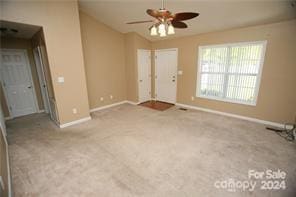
{"points": [[157, 105]]}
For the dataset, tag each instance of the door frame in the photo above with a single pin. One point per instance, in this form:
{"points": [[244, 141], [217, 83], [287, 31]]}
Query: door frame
{"points": [[155, 70], [138, 82], [42, 79], [24, 51]]}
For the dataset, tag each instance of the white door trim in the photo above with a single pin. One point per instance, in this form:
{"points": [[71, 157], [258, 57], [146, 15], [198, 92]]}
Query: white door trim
{"points": [[31, 78], [168, 49], [42, 80], [155, 70], [138, 81]]}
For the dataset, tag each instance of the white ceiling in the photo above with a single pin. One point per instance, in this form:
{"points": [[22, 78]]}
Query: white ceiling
{"points": [[215, 15]]}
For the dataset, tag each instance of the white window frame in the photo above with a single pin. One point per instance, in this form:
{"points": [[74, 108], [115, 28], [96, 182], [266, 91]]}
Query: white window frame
{"points": [[258, 79]]}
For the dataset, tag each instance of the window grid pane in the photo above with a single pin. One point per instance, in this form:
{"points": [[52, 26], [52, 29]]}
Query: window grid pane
{"points": [[230, 72]]}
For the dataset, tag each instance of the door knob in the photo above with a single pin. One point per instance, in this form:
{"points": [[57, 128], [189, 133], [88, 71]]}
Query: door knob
{"points": [[30, 87], [141, 80], [173, 80]]}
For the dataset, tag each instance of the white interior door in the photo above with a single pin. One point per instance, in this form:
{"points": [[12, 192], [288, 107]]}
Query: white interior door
{"points": [[166, 75], [17, 82], [144, 75], [42, 81]]}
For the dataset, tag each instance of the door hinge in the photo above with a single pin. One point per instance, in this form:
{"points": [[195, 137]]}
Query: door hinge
{"points": [[10, 107], [155, 57]]}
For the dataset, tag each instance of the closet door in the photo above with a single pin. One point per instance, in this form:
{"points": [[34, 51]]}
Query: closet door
{"points": [[144, 75]]}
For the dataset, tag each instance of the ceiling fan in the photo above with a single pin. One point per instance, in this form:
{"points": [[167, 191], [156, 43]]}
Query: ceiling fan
{"points": [[165, 21]]}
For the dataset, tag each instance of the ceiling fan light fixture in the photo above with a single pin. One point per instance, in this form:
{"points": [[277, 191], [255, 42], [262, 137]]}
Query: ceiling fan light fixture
{"points": [[161, 29], [171, 29], [162, 34], [165, 21], [153, 31]]}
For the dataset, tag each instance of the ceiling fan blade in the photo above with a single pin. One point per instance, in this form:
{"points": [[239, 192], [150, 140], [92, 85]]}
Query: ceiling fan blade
{"points": [[137, 22], [153, 13], [178, 24], [182, 16]]}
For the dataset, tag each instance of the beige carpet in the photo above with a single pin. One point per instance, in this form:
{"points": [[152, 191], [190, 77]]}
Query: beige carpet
{"points": [[136, 151]]}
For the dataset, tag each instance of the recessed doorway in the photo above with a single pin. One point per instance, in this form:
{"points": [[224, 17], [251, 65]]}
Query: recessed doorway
{"points": [[18, 86]]}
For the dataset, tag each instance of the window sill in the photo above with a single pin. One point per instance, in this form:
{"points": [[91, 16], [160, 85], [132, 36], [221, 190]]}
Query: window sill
{"points": [[227, 100]]}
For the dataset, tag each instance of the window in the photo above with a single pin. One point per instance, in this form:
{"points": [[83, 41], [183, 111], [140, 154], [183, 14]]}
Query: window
{"points": [[230, 72]]}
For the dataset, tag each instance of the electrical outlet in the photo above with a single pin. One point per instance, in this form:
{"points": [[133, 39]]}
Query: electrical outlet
{"points": [[102, 98], [74, 111], [61, 79], [111, 97], [192, 98]]}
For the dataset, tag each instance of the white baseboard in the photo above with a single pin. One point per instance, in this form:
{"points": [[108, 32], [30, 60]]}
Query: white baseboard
{"points": [[132, 102], [113, 105], [275, 124], [8, 118], [75, 122], [107, 106]]}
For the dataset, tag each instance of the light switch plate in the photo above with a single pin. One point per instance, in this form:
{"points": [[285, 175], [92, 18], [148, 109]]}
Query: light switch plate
{"points": [[74, 110], [61, 79]]}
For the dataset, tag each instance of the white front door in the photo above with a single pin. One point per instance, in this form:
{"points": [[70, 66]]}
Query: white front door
{"points": [[17, 82], [144, 75], [166, 75]]}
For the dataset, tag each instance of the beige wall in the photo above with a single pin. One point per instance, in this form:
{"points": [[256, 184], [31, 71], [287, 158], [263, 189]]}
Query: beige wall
{"points": [[61, 25], [110, 62], [104, 62], [17, 43], [280, 49], [133, 41], [276, 100], [277, 95]]}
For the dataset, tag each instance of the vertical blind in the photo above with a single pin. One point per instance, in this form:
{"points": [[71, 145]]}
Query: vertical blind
{"points": [[230, 72]]}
